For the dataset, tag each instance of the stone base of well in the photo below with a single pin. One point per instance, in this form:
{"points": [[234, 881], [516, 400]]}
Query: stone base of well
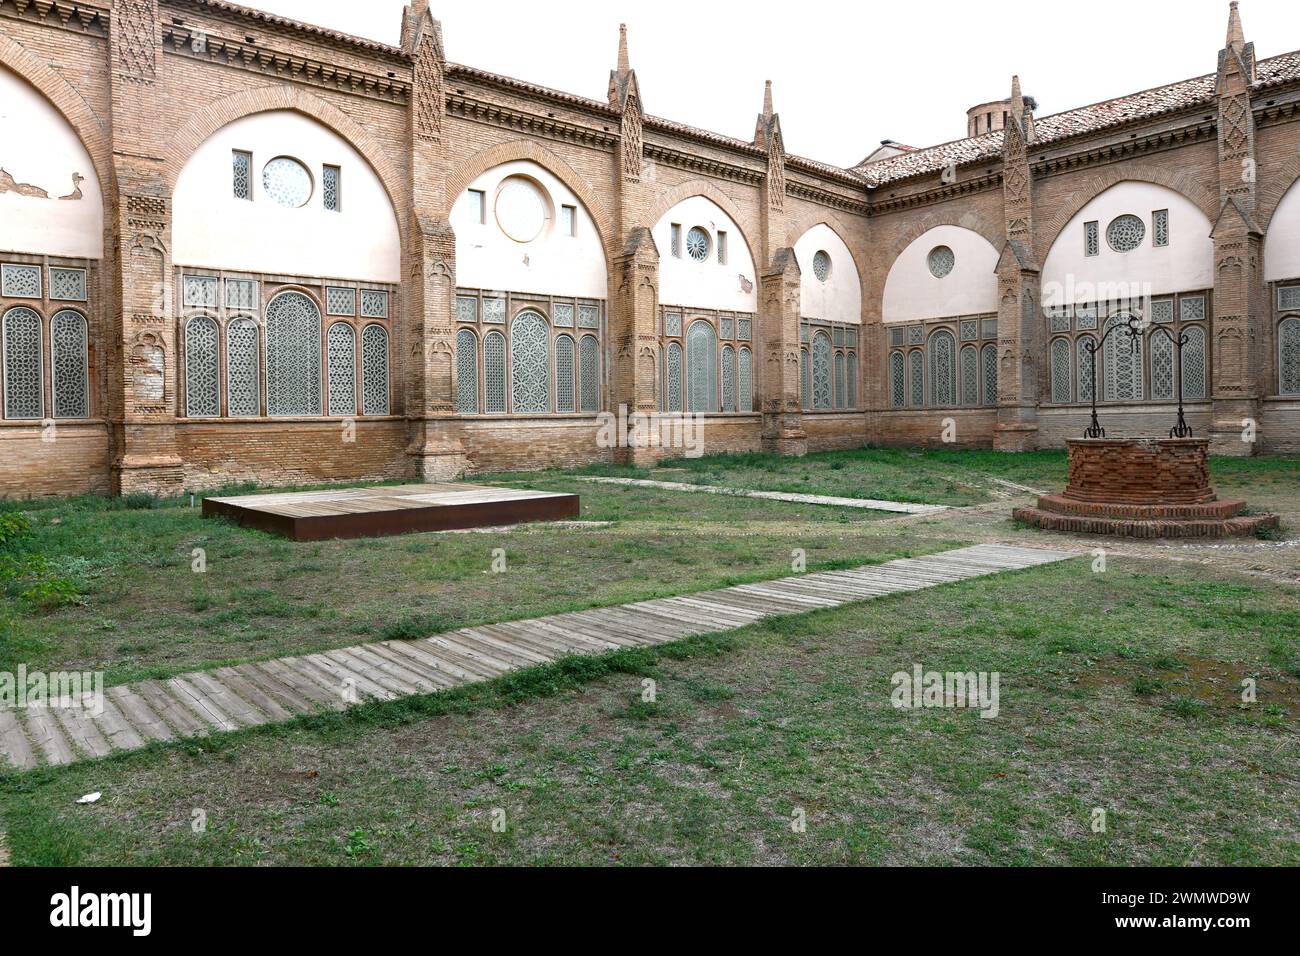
{"points": [[1142, 488]]}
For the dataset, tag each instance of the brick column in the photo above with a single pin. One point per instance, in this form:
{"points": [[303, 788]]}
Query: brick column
{"points": [[142, 328], [778, 322]]}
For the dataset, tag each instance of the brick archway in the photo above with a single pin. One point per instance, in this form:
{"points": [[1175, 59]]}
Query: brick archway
{"points": [[195, 131], [70, 104], [702, 187], [458, 180], [1270, 196], [798, 227]]}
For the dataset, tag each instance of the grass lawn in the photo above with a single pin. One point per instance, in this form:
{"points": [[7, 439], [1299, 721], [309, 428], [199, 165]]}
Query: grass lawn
{"points": [[1119, 691]]}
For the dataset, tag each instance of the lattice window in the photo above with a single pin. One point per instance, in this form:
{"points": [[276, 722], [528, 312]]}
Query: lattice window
{"points": [[1091, 239], [821, 266], [851, 338], [562, 312], [990, 328], [989, 355], [822, 370], [293, 359], [895, 337], [897, 383], [940, 260], [673, 377], [838, 334], [839, 380], [69, 365], [467, 372], [374, 370], [202, 385], [701, 368], [467, 308], [915, 335], [588, 316], [697, 244], [241, 164], [1061, 385], [494, 373], [530, 362], [1288, 354], [341, 353], [1162, 366], [916, 378], [1288, 299], [942, 368], [1191, 308], [68, 284], [803, 332], [1123, 363], [1194, 363], [565, 375], [22, 363], [1059, 318], [744, 329], [1085, 318], [673, 324], [970, 330], [243, 376], [728, 379], [1125, 233], [745, 380], [200, 292], [970, 375], [287, 181], [241, 295], [589, 373], [330, 187], [722, 248], [1160, 227], [20, 282], [675, 240], [805, 380], [1162, 311], [1083, 384], [494, 309], [374, 304], [851, 360], [341, 301], [728, 327]]}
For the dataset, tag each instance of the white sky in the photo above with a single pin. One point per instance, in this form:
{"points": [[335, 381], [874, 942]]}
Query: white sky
{"points": [[844, 77]]}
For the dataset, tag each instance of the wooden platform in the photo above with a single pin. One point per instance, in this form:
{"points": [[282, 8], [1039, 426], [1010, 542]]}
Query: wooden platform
{"points": [[394, 509]]}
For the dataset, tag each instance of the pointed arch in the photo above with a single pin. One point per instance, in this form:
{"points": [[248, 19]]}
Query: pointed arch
{"points": [[1270, 194], [701, 187]]}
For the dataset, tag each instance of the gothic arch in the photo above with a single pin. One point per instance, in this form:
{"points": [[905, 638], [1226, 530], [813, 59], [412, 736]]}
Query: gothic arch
{"points": [[458, 181], [1270, 195], [1093, 186], [968, 220], [797, 227], [699, 187], [213, 117], [70, 104]]}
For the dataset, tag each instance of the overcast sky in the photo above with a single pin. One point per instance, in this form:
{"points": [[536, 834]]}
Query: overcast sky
{"points": [[844, 76]]}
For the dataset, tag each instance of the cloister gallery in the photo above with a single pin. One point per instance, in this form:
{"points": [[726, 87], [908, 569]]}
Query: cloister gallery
{"points": [[237, 247]]}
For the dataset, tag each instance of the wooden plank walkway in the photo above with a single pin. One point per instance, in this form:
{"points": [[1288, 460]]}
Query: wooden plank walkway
{"points": [[870, 504], [229, 698]]}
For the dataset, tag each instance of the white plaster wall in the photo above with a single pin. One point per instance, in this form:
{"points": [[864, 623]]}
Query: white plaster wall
{"points": [[839, 298], [705, 285], [1282, 244], [39, 148], [1187, 263], [213, 229], [912, 292], [553, 263]]}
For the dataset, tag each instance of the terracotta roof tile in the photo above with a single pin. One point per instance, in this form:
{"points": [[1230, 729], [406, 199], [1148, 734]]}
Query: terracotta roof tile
{"points": [[272, 18]]}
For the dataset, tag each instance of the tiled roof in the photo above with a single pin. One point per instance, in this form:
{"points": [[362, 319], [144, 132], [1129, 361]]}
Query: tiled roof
{"points": [[279, 21]]}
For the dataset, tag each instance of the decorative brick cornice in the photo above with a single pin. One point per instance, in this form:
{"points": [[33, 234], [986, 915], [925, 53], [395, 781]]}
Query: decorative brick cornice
{"points": [[703, 164], [224, 51], [1101, 154], [825, 197], [938, 194], [494, 114], [77, 17]]}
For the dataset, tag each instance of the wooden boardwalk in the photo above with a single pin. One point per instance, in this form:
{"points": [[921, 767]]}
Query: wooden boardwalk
{"points": [[391, 509], [870, 504], [229, 698]]}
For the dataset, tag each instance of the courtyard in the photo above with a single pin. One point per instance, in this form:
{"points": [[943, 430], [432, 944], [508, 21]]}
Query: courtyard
{"points": [[1121, 672]]}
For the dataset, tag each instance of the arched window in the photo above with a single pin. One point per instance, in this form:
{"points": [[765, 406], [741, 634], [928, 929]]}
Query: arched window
{"points": [[990, 356], [1288, 355], [728, 379], [673, 377], [243, 377], [1060, 367], [897, 382], [566, 372], [1123, 363], [915, 378], [293, 355], [805, 380], [701, 368], [851, 360], [467, 372], [1084, 378], [22, 363], [374, 370], [494, 373], [589, 373], [839, 380], [942, 368], [821, 370], [1194, 363], [202, 386], [69, 364], [341, 353], [970, 375], [745, 380], [530, 363]]}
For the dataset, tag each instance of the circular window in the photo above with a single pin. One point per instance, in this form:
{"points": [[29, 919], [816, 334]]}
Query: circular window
{"points": [[941, 260], [1125, 233], [521, 209], [287, 182], [822, 266], [697, 244]]}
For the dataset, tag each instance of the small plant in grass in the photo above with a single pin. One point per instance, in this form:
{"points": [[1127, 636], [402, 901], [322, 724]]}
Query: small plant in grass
{"points": [[139, 501], [358, 844], [1146, 686], [1166, 662], [1185, 706], [1268, 533], [28, 576]]}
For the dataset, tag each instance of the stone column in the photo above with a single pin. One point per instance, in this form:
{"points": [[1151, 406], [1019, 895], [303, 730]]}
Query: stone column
{"points": [[778, 322]]}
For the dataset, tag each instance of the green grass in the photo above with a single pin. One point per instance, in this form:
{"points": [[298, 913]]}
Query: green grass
{"points": [[749, 727]]}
